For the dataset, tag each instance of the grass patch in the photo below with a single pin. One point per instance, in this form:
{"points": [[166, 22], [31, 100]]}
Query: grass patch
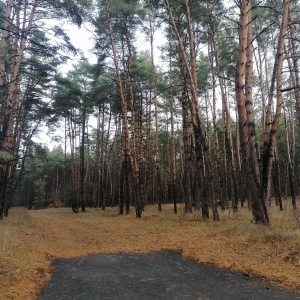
{"points": [[30, 240], [9, 228]]}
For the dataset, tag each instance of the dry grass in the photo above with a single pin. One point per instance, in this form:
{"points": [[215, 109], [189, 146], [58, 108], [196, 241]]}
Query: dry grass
{"points": [[29, 241]]}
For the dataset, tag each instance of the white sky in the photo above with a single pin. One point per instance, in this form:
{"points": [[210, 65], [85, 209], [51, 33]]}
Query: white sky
{"points": [[82, 39]]}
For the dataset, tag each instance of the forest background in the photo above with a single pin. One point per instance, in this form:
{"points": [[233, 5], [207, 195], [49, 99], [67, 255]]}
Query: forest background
{"points": [[214, 124]]}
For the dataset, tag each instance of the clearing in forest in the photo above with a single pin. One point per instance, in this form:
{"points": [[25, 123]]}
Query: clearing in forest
{"points": [[31, 240]]}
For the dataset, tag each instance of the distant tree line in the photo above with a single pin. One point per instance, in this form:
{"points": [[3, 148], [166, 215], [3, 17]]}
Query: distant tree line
{"points": [[212, 124]]}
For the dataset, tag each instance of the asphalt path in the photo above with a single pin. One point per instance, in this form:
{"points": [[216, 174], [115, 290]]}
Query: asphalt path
{"points": [[159, 275]]}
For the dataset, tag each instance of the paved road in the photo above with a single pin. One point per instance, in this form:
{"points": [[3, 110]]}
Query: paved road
{"points": [[159, 275]]}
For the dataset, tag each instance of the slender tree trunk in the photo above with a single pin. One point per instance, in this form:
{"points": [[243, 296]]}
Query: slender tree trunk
{"points": [[200, 141], [172, 163], [134, 149], [82, 170], [97, 165], [254, 175], [277, 181], [226, 117], [187, 133], [7, 22], [244, 104], [105, 176], [259, 67], [269, 149], [294, 81], [157, 158], [148, 164], [291, 174], [122, 187], [292, 151], [215, 130], [295, 58], [10, 103], [126, 148]]}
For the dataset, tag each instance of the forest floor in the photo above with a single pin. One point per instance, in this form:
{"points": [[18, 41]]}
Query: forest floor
{"points": [[31, 240]]}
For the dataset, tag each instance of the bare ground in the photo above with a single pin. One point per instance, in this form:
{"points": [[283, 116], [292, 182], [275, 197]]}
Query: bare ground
{"points": [[30, 240]]}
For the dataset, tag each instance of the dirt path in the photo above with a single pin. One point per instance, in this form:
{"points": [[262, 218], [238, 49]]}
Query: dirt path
{"points": [[59, 234]]}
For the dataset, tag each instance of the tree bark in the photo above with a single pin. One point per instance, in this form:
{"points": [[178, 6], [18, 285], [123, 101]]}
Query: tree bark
{"points": [[200, 141], [295, 66], [244, 104], [7, 22], [269, 149], [126, 148], [157, 158], [134, 149], [172, 145]]}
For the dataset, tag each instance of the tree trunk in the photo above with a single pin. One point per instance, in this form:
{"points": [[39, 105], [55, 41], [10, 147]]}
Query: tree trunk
{"points": [[82, 171], [187, 133], [5, 42], [9, 113], [289, 162], [215, 131], [295, 72], [134, 149], [200, 142], [254, 175], [226, 115], [269, 148], [244, 78], [172, 157], [126, 145], [157, 158], [277, 179]]}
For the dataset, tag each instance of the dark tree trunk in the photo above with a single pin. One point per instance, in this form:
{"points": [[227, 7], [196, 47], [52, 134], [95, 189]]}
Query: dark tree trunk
{"points": [[81, 181]]}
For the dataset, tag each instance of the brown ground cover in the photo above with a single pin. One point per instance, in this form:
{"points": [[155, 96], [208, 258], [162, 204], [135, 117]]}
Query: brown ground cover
{"points": [[30, 240]]}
